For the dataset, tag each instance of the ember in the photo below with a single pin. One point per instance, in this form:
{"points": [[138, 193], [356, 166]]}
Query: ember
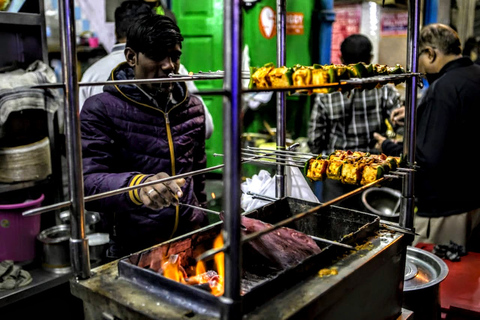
{"points": [[172, 269]]}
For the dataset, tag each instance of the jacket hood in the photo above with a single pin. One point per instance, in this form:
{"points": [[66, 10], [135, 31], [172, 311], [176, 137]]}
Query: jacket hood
{"points": [[132, 92]]}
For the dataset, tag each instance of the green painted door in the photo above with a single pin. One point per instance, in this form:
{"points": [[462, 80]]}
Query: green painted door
{"points": [[201, 24], [260, 36]]}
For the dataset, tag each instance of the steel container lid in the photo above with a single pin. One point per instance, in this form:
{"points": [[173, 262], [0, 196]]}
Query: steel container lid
{"points": [[423, 269]]}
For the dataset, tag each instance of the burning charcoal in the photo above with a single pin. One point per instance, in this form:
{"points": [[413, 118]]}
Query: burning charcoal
{"points": [[205, 277], [172, 268], [279, 249]]}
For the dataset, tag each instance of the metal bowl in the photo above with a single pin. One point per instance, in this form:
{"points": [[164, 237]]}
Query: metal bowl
{"points": [[382, 201], [423, 269], [424, 272]]}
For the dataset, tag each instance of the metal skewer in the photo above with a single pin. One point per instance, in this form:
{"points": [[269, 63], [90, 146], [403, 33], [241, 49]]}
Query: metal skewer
{"points": [[335, 243], [272, 155], [106, 194], [212, 252], [272, 163], [396, 227], [200, 208], [261, 196], [292, 153]]}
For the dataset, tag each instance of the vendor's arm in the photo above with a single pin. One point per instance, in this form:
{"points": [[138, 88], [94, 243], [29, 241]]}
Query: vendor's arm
{"points": [[103, 171]]}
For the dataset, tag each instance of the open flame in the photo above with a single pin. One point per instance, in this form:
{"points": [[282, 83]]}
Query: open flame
{"points": [[213, 195], [173, 270]]}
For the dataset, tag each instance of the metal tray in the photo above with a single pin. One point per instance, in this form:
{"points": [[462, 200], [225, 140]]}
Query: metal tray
{"points": [[334, 223]]}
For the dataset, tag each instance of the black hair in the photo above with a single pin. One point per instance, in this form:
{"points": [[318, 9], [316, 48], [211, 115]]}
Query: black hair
{"points": [[153, 35], [440, 36], [126, 13], [356, 48], [470, 45]]}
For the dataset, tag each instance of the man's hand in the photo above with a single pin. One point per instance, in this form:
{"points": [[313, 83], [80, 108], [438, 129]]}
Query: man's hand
{"points": [[380, 139], [161, 195], [397, 117]]}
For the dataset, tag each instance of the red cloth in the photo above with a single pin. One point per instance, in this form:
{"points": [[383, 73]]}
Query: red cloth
{"points": [[460, 291]]}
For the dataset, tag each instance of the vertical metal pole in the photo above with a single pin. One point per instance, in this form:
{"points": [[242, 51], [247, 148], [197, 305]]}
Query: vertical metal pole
{"points": [[281, 96], [78, 243], [408, 198], [231, 144]]}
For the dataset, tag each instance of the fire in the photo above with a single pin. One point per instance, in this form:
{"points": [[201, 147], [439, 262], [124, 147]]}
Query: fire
{"points": [[213, 195], [173, 270], [219, 265]]}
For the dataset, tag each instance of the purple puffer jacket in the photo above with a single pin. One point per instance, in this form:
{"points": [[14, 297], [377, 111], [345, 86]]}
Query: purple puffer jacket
{"points": [[125, 138]]}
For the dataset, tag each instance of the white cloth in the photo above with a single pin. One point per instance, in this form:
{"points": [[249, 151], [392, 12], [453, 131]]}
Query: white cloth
{"points": [[263, 184], [100, 71]]}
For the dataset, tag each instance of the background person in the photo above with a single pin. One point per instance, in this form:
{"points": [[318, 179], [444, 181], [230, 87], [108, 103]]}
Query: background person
{"points": [[125, 15], [348, 120], [133, 134], [446, 184]]}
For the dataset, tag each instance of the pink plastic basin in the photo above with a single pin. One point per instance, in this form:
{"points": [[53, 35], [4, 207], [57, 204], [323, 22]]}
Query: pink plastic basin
{"points": [[18, 233]]}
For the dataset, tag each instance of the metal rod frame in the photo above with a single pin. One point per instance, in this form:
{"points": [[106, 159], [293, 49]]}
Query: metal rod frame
{"points": [[231, 308], [281, 96], [232, 107], [353, 82], [408, 198], [79, 252]]}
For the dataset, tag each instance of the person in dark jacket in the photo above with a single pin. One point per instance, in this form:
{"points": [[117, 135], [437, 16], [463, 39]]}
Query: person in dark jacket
{"points": [[446, 181], [133, 134]]}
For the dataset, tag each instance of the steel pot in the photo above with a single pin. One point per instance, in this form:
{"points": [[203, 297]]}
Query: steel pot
{"points": [[97, 244], [56, 249], [424, 272], [384, 202]]}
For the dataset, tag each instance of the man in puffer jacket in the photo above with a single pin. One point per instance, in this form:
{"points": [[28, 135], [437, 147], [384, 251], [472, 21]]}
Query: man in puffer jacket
{"points": [[133, 134]]}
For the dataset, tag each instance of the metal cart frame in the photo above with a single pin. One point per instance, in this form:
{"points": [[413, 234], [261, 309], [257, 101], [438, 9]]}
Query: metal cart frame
{"points": [[232, 129]]}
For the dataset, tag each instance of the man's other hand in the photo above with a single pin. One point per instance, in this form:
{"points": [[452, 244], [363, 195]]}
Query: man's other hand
{"points": [[377, 136], [397, 117]]}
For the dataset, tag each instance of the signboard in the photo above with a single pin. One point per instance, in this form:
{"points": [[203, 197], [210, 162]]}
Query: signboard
{"points": [[347, 22], [394, 24], [295, 23], [267, 23]]}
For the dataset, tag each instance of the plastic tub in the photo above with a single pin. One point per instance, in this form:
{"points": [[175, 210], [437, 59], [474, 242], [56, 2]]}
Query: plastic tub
{"points": [[18, 233]]}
